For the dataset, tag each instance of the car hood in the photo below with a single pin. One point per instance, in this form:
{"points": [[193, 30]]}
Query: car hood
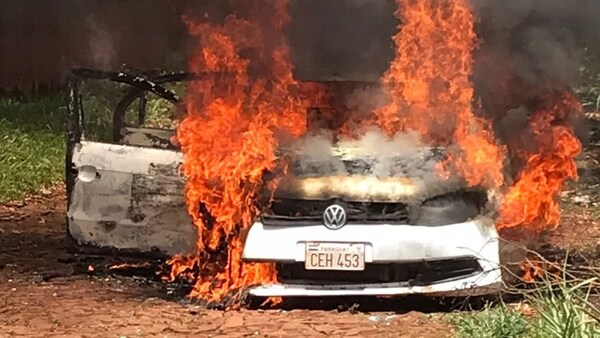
{"points": [[352, 174]]}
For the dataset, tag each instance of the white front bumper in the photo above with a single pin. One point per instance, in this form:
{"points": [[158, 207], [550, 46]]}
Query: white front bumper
{"points": [[485, 283], [383, 244]]}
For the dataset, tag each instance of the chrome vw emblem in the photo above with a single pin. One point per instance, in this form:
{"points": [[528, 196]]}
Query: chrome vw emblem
{"points": [[334, 217]]}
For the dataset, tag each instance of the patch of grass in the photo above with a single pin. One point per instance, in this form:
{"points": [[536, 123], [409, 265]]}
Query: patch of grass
{"points": [[561, 310], [32, 143], [565, 312], [33, 134], [492, 322], [160, 113], [98, 117]]}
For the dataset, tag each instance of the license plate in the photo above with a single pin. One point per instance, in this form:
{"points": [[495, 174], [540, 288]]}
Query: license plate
{"points": [[335, 256]]}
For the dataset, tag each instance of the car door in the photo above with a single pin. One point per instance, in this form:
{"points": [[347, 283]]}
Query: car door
{"points": [[127, 195]]}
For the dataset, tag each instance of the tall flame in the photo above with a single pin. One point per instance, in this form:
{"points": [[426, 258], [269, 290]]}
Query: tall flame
{"points": [[430, 88], [531, 201], [431, 92], [229, 139]]}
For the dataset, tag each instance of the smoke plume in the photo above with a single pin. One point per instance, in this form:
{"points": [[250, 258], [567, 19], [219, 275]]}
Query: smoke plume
{"points": [[320, 147], [531, 47], [543, 40], [101, 45], [372, 154], [341, 39]]}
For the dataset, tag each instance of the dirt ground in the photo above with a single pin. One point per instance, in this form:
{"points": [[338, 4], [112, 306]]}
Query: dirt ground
{"points": [[47, 291]]}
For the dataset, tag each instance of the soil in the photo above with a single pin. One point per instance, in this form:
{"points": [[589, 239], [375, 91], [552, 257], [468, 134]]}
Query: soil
{"points": [[46, 291]]}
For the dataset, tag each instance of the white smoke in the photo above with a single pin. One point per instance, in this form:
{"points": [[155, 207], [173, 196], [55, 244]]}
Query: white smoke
{"points": [[101, 47], [403, 155]]}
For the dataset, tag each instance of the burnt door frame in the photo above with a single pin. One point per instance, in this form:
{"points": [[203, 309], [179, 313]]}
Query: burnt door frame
{"points": [[139, 85]]}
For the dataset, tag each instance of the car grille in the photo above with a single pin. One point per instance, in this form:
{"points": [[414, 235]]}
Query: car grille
{"points": [[410, 273], [310, 212]]}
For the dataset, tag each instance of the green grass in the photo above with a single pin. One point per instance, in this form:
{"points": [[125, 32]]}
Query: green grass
{"points": [[566, 312], [32, 144], [561, 310], [33, 135], [492, 322]]}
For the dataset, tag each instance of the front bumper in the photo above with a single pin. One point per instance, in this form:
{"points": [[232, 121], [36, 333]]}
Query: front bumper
{"points": [[384, 244]]}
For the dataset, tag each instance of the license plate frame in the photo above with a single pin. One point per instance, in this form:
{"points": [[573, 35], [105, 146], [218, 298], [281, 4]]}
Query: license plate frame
{"points": [[334, 256]]}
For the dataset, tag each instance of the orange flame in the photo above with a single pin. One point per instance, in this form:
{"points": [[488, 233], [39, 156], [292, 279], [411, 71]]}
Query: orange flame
{"points": [[533, 270], [430, 88], [537, 269], [531, 201], [229, 140]]}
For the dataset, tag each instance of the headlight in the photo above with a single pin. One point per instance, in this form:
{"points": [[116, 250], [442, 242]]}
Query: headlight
{"points": [[457, 207]]}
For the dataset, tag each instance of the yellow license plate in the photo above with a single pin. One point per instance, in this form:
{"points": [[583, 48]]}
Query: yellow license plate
{"points": [[335, 256]]}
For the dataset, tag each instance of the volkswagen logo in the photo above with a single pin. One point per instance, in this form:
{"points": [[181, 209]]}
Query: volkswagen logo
{"points": [[334, 217]]}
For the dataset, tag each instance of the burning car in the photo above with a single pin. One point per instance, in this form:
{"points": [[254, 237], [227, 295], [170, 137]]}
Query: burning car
{"points": [[350, 217], [384, 176]]}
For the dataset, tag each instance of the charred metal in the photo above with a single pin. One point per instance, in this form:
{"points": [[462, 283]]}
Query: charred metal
{"points": [[127, 195]]}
